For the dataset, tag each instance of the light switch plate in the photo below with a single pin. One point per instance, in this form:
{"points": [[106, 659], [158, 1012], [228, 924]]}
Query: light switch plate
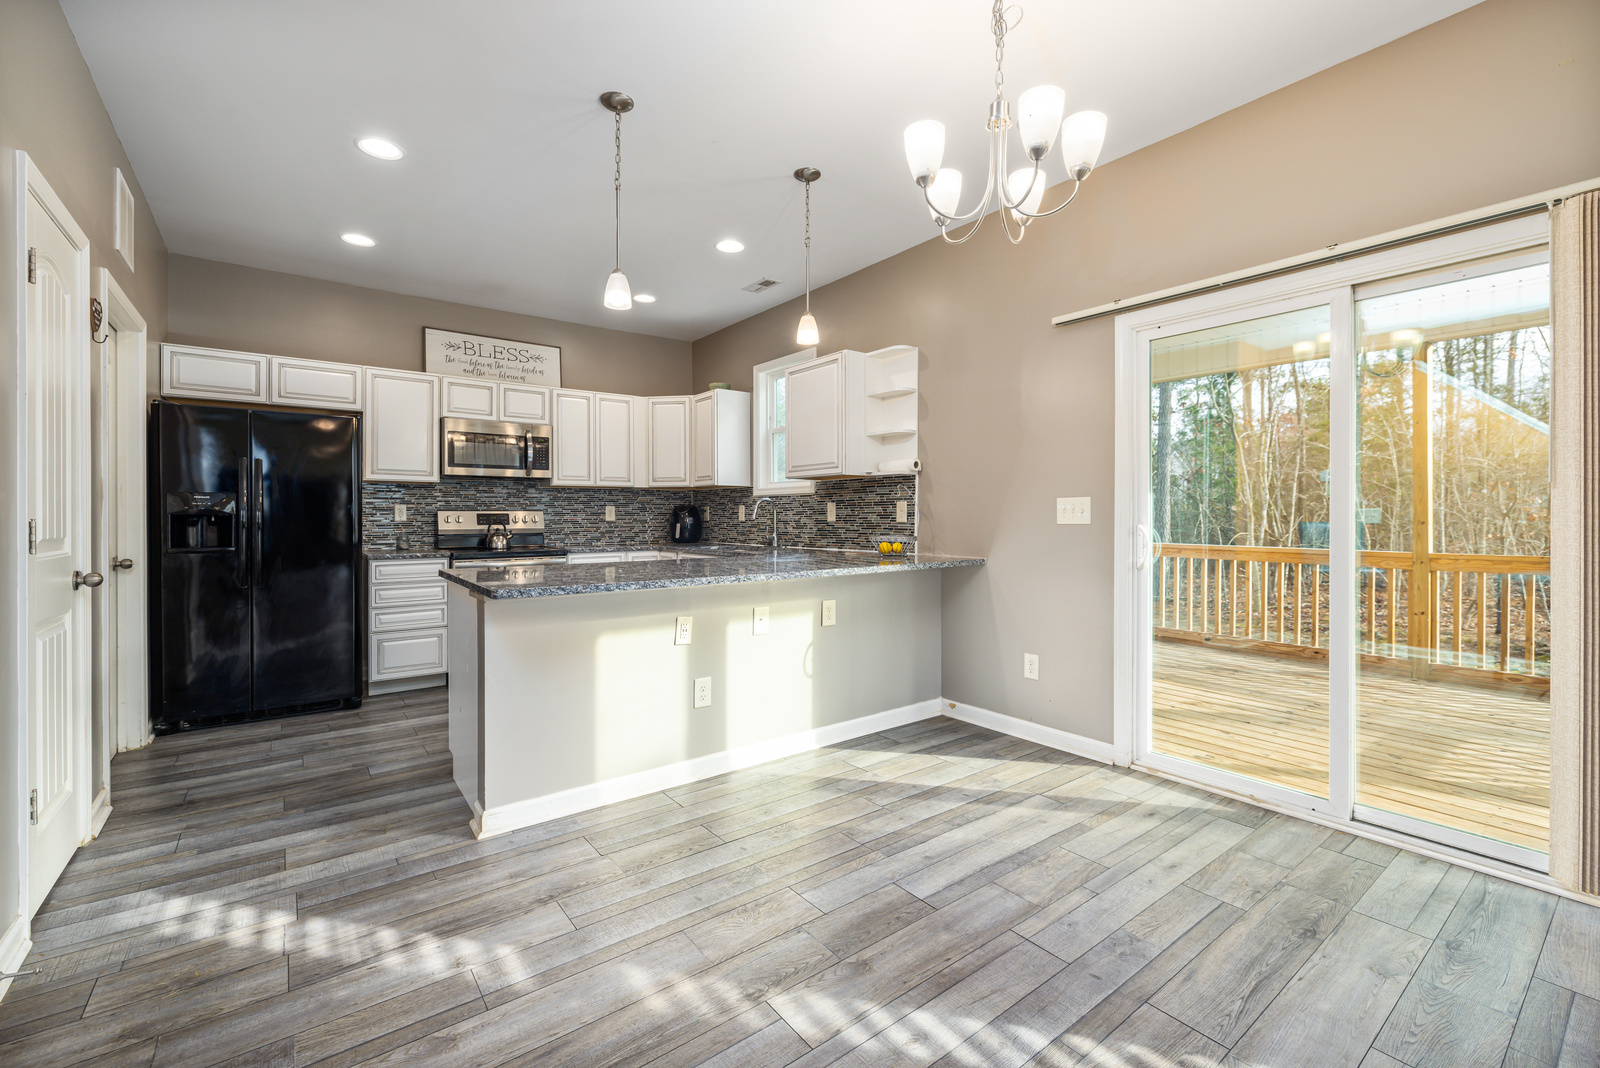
{"points": [[763, 618], [680, 636], [830, 613], [611, 513], [899, 511], [741, 513], [399, 513], [1030, 666], [702, 692], [830, 512], [1072, 509]]}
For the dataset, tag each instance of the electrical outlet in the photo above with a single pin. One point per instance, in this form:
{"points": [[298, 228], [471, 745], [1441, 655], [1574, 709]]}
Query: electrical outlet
{"points": [[831, 515], [830, 613], [705, 513], [1030, 666], [741, 513], [763, 617], [399, 513], [702, 692], [611, 513], [685, 627], [899, 511], [1072, 509]]}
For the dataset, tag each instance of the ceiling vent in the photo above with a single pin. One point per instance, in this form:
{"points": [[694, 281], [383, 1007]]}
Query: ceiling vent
{"points": [[760, 285]]}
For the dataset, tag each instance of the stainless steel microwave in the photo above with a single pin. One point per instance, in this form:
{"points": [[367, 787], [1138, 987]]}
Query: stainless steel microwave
{"points": [[495, 450]]}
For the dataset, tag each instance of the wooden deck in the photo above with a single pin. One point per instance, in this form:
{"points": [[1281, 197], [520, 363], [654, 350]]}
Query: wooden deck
{"points": [[1474, 759]]}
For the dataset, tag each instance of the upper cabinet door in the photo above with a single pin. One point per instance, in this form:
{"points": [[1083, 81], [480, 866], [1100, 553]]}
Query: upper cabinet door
{"points": [[669, 441], [703, 439], [815, 403], [467, 398], [613, 439], [721, 438], [315, 384], [524, 404], [213, 374], [401, 429], [573, 425]]}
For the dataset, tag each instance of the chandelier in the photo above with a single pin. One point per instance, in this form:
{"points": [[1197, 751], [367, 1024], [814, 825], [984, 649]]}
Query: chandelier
{"points": [[618, 296], [1039, 112]]}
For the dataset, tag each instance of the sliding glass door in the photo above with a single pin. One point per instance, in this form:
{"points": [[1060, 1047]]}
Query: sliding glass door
{"points": [[1340, 517]]}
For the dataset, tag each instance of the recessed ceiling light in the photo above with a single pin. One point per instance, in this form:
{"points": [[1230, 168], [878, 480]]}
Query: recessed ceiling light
{"points": [[644, 298], [379, 147], [359, 240], [728, 244]]}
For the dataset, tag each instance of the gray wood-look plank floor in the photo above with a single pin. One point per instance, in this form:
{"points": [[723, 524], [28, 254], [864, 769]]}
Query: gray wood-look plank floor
{"points": [[306, 892]]}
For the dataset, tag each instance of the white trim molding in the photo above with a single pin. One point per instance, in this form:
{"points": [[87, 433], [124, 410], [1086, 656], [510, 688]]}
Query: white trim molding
{"points": [[535, 810], [1029, 731], [15, 945]]}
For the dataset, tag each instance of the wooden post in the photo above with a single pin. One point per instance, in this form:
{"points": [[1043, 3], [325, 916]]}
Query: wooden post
{"points": [[1421, 634]]}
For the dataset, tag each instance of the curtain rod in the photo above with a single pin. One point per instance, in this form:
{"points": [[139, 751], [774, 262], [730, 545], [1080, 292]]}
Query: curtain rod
{"points": [[1509, 209]]}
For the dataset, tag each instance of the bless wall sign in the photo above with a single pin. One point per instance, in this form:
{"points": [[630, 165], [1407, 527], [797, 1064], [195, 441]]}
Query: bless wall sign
{"points": [[493, 359]]}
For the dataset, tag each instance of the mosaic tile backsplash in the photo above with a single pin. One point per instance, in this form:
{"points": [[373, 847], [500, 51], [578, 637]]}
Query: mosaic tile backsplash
{"points": [[574, 517]]}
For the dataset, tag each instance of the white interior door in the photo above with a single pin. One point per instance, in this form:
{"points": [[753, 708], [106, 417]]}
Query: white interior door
{"points": [[58, 496]]}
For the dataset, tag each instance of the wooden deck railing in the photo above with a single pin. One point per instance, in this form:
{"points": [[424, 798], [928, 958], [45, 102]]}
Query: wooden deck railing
{"points": [[1483, 619]]}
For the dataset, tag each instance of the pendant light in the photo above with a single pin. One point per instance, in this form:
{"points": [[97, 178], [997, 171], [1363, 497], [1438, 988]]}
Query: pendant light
{"points": [[618, 296], [807, 334]]}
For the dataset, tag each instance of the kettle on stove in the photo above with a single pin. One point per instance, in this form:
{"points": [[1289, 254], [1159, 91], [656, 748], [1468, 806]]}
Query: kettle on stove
{"points": [[686, 523], [498, 538]]}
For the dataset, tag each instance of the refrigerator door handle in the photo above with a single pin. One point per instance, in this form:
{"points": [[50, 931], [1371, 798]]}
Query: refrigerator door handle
{"points": [[255, 525], [241, 526]]}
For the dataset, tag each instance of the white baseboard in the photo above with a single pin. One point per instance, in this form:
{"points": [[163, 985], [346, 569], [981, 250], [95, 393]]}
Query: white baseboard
{"points": [[99, 812], [519, 814], [15, 945], [1029, 731]]}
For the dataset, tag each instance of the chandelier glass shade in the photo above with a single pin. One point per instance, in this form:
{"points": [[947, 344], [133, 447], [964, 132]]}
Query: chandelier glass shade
{"points": [[1019, 192]]}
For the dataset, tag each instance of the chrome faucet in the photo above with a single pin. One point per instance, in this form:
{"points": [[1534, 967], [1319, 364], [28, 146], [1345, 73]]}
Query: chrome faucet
{"points": [[756, 514]]}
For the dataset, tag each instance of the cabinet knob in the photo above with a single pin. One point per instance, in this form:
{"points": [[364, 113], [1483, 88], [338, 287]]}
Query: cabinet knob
{"points": [[92, 579], [124, 564]]}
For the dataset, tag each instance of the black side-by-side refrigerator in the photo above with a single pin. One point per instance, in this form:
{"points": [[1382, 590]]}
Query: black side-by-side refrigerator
{"points": [[254, 606]]}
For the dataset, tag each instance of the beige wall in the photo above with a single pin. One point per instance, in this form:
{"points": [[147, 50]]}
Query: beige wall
{"points": [[1499, 101], [50, 109], [227, 306]]}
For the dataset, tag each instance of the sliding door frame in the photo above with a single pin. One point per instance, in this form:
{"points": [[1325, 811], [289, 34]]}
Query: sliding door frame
{"points": [[1335, 285]]}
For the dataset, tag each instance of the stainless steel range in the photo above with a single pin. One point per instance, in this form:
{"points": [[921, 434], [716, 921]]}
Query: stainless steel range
{"points": [[494, 538]]}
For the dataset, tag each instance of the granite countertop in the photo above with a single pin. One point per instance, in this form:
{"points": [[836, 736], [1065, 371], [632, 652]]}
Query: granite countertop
{"points": [[374, 552], [722, 564]]}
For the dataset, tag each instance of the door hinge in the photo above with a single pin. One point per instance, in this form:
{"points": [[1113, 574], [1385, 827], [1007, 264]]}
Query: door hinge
{"points": [[33, 806], [33, 264], [33, 537]]}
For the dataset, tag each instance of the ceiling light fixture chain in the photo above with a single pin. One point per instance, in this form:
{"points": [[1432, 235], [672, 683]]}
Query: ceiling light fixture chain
{"points": [[1017, 193], [617, 183]]}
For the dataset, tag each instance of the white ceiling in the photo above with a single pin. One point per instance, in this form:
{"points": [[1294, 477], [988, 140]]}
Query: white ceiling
{"points": [[239, 119]]}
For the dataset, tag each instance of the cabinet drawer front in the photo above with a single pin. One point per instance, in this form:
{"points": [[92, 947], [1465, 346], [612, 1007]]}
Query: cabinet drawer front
{"points": [[596, 558], [407, 570], [408, 618], [239, 376], [399, 656], [321, 385], [408, 593], [650, 554]]}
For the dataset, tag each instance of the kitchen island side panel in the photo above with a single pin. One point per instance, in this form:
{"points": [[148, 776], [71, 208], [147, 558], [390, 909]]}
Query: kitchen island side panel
{"points": [[466, 689], [582, 689]]}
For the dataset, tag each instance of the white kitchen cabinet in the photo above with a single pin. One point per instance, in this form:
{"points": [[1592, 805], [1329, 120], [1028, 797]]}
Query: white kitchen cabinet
{"points": [[400, 434], [613, 439], [668, 452], [573, 427], [596, 558], [852, 413], [405, 655], [213, 374], [468, 398], [524, 404], [314, 383], [720, 438], [407, 623]]}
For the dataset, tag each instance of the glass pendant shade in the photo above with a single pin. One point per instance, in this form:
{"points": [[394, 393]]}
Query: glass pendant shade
{"points": [[618, 296], [807, 334], [924, 148], [1081, 137], [1018, 192], [945, 192], [1039, 112]]}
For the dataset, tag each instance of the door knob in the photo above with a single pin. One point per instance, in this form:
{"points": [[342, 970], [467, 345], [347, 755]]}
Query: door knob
{"points": [[125, 564], [92, 579]]}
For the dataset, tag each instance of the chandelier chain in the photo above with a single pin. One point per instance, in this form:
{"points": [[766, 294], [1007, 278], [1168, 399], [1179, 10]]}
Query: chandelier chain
{"points": [[808, 248], [617, 183], [999, 26]]}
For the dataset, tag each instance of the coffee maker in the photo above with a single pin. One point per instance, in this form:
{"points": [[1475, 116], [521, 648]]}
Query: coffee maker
{"points": [[686, 524]]}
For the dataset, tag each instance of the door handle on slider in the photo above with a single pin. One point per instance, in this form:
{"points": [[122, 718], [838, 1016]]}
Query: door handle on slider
{"points": [[92, 579], [125, 564]]}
